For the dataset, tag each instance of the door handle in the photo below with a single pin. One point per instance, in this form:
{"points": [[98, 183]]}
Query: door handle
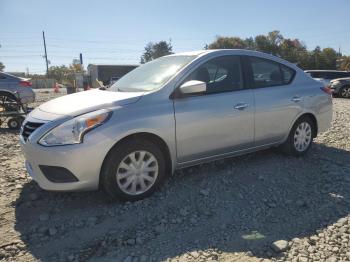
{"points": [[241, 106], [296, 99]]}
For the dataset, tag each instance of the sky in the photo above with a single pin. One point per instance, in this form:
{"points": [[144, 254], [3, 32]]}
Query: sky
{"points": [[116, 32]]}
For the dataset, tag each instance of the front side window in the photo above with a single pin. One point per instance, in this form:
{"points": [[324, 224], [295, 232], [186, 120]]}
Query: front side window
{"points": [[152, 75], [221, 74], [269, 73]]}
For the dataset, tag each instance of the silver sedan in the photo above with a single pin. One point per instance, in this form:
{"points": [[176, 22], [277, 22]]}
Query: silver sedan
{"points": [[176, 111]]}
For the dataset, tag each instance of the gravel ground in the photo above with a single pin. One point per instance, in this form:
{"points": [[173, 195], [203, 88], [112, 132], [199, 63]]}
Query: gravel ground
{"points": [[259, 207]]}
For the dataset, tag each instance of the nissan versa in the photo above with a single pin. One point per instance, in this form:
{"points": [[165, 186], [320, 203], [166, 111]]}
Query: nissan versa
{"points": [[173, 112]]}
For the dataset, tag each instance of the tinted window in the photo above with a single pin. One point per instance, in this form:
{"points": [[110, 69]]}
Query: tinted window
{"points": [[2, 76], [265, 72], [220, 74]]}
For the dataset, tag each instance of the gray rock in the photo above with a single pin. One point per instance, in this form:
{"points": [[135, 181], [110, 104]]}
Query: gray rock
{"points": [[33, 196], [279, 246], [204, 192], [131, 242], [44, 217], [128, 259], [52, 231]]}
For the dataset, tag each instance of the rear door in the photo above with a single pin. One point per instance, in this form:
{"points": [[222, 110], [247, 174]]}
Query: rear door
{"points": [[219, 121], [277, 100]]}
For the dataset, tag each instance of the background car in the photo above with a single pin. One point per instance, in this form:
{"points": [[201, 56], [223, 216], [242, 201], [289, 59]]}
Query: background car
{"points": [[341, 87], [16, 88], [326, 76]]}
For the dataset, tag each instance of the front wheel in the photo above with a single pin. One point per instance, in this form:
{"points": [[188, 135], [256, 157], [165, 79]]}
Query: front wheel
{"points": [[133, 170], [300, 137]]}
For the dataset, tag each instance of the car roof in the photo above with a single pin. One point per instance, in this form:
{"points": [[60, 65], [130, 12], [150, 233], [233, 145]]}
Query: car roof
{"points": [[246, 52], [332, 71], [10, 76]]}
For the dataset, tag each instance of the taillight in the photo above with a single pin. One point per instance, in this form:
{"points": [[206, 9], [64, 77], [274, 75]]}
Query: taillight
{"points": [[25, 83], [327, 90]]}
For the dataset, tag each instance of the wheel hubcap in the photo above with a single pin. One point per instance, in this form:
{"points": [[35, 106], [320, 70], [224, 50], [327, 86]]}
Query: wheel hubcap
{"points": [[137, 172], [302, 136], [345, 92]]}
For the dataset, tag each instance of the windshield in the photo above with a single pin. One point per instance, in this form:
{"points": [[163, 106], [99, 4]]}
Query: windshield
{"points": [[152, 75]]}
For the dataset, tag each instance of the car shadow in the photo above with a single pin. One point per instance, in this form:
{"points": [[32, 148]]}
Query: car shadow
{"points": [[240, 204]]}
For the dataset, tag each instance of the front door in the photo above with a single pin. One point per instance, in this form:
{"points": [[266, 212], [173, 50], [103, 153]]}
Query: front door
{"points": [[219, 121]]}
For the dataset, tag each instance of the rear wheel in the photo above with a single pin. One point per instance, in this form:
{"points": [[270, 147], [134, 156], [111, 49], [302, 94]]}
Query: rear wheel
{"points": [[300, 137], [133, 170], [345, 92]]}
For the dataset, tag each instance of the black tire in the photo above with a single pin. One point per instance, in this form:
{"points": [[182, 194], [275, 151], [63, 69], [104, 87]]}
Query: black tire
{"points": [[289, 146], [116, 156], [14, 123], [344, 92]]}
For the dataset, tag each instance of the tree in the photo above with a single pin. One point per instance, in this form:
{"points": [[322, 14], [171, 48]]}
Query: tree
{"points": [[2, 67], [345, 63], [155, 50], [274, 43], [227, 43]]}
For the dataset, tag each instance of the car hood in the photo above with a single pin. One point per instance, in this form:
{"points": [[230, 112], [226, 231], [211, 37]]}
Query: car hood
{"points": [[83, 102]]}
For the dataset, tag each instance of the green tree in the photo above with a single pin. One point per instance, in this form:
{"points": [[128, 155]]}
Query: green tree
{"points": [[2, 67], [64, 74], [222, 42], [345, 63], [274, 43], [329, 58], [155, 50]]}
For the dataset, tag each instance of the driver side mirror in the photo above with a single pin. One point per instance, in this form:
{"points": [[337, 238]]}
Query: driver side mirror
{"points": [[193, 87]]}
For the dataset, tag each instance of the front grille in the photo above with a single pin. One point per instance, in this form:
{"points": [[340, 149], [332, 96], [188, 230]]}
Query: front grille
{"points": [[29, 128]]}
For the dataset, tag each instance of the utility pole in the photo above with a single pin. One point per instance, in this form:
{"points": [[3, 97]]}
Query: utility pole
{"points": [[47, 63]]}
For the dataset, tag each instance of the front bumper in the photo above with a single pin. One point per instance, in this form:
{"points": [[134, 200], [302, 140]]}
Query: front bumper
{"points": [[335, 88], [83, 160]]}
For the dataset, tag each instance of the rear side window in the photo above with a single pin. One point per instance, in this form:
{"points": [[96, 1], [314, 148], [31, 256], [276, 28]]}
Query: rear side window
{"points": [[2, 76], [268, 73]]}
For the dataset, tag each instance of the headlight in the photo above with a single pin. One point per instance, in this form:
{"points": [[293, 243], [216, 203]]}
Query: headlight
{"points": [[335, 83], [73, 131]]}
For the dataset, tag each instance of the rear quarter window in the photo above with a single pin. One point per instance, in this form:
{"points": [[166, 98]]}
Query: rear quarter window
{"points": [[287, 74]]}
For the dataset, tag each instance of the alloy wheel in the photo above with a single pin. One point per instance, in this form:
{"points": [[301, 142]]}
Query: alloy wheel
{"points": [[345, 92]]}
